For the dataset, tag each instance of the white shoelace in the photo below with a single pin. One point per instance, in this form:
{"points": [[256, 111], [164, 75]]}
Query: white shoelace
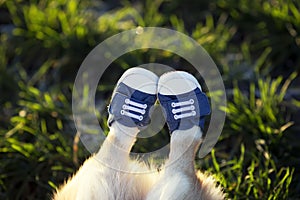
{"points": [[184, 106], [133, 106]]}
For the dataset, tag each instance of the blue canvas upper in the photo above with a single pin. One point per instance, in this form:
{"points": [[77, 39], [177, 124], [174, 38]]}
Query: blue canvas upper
{"points": [[130, 107], [183, 111]]}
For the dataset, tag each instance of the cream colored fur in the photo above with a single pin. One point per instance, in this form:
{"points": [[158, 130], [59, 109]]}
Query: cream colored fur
{"points": [[127, 180]]}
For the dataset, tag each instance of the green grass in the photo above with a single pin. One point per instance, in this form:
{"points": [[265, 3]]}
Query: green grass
{"points": [[254, 43]]}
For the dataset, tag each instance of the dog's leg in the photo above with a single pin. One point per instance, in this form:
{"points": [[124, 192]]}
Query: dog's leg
{"points": [[110, 174], [100, 173], [178, 180], [116, 147], [178, 175], [185, 107]]}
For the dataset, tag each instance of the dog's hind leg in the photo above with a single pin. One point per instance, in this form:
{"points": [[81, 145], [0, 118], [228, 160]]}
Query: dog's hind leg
{"points": [[179, 179], [103, 175], [185, 107], [110, 174]]}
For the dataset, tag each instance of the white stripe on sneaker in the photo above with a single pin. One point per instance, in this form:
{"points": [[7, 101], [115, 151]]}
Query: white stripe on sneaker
{"points": [[139, 105], [186, 106], [135, 107], [193, 113], [138, 117], [141, 111], [183, 103]]}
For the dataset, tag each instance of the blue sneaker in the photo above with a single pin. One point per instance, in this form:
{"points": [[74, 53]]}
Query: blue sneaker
{"points": [[133, 98], [184, 103]]}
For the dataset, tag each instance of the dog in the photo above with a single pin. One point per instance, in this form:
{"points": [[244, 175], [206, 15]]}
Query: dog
{"points": [[111, 174]]}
